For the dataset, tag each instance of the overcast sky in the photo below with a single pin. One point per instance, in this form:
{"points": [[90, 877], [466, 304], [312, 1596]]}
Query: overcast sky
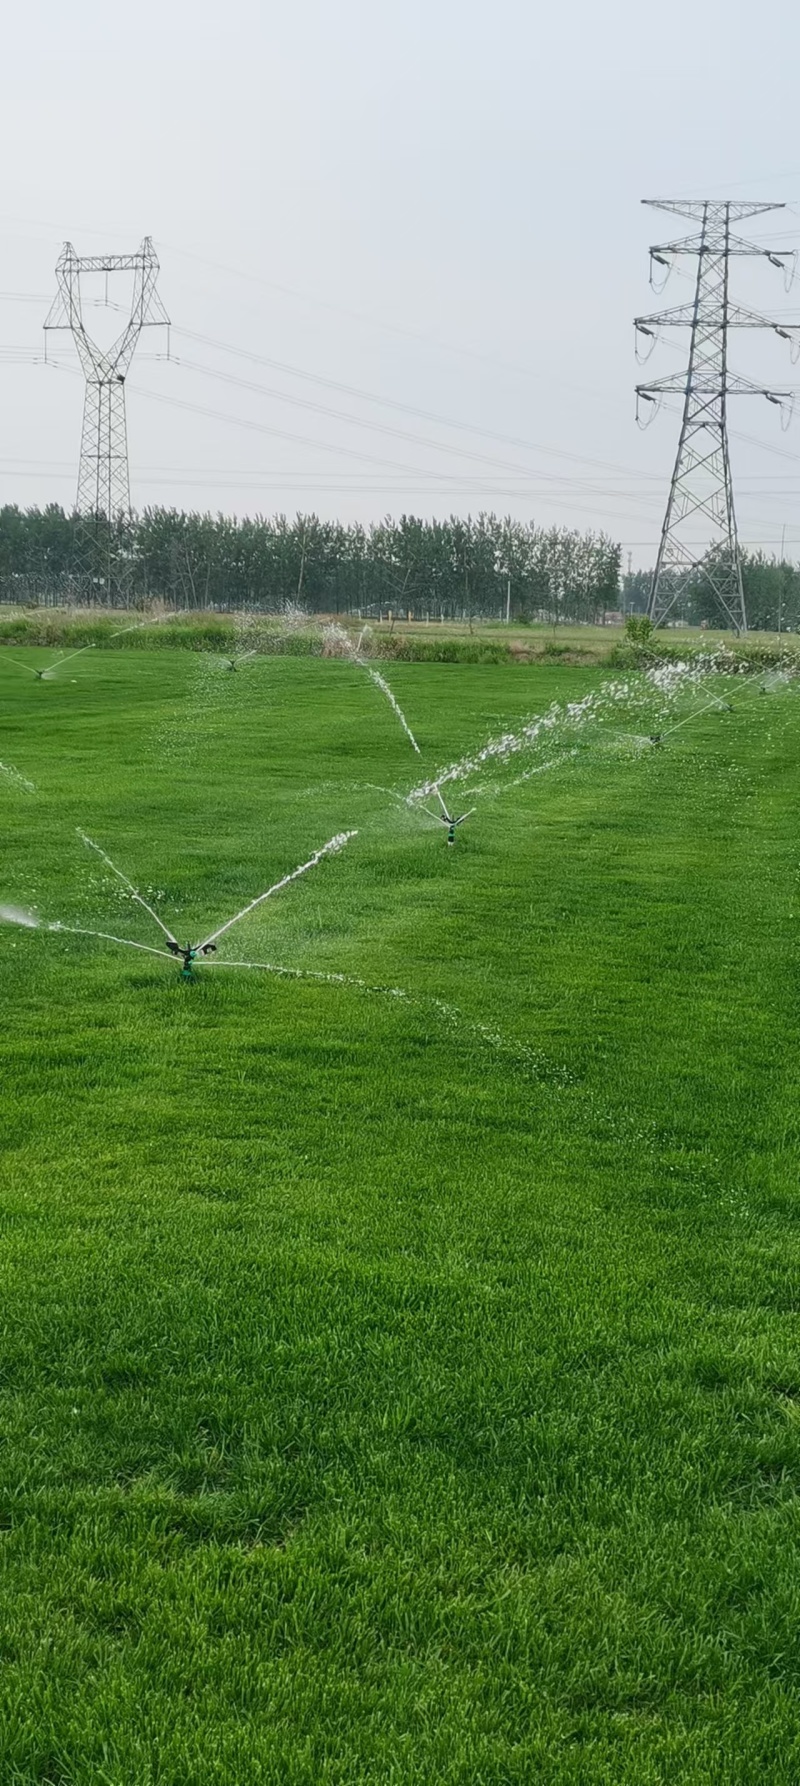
{"points": [[436, 205]]}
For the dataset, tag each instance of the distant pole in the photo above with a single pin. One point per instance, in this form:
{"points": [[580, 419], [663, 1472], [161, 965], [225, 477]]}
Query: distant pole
{"points": [[303, 566], [508, 602], [780, 587]]}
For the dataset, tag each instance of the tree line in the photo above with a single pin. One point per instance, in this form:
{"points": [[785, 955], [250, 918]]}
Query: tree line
{"points": [[771, 595], [449, 568]]}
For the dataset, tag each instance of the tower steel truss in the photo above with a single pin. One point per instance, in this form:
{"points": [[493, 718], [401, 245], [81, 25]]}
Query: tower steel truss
{"points": [[103, 475], [699, 540]]}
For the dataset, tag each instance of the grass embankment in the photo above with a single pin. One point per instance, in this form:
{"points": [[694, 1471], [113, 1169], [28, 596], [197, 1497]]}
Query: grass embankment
{"points": [[378, 1404], [487, 642]]}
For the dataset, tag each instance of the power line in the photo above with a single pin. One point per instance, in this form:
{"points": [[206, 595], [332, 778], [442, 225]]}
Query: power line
{"points": [[404, 408], [381, 428], [446, 347]]}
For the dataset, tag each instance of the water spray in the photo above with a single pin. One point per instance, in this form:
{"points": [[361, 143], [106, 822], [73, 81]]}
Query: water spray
{"points": [[19, 665], [49, 670], [663, 684], [719, 703], [343, 643], [18, 781], [383, 685], [187, 953], [44, 675], [14, 914]]}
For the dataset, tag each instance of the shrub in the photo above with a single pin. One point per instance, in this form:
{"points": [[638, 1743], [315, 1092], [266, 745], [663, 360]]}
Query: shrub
{"points": [[638, 629]]}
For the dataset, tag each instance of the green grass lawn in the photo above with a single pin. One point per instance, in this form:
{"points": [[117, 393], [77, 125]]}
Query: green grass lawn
{"points": [[391, 1393]]}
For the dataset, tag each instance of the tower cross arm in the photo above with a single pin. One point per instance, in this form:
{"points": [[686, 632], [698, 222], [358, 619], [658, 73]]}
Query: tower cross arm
{"points": [[707, 383], [114, 263], [682, 316], [699, 210], [712, 241]]}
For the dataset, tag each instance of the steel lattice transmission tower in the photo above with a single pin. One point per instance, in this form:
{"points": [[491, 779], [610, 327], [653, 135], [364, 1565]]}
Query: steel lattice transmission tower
{"points": [[103, 476], [699, 540]]}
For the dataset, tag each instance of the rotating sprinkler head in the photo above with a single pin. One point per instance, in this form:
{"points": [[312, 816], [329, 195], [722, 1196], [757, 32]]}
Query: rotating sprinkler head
{"points": [[452, 824], [657, 740], [447, 818], [188, 956]]}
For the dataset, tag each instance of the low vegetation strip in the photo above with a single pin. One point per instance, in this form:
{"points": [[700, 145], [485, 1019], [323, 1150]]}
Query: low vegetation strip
{"points": [[311, 636]]}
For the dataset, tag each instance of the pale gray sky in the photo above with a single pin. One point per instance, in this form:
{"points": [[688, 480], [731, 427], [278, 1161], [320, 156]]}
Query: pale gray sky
{"points": [[435, 204]]}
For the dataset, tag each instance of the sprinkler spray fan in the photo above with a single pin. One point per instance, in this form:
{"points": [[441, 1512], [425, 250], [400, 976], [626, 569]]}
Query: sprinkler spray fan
{"points": [[187, 954]]}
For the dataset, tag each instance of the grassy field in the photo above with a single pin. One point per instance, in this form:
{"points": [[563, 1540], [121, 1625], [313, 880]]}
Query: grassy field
{"points": [[391, 1390]]}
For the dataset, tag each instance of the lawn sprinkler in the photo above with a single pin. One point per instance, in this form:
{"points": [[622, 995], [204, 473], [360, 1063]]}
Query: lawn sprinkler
{"points": [[453, 823], [446, 818], [189, 953], [657, 740], [49, 670]]}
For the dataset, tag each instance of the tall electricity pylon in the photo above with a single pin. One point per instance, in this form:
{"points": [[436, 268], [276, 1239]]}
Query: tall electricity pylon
{"points": [[699, 540], [103, 477]]}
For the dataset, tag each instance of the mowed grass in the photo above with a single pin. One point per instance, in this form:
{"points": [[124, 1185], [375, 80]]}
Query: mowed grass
{"points": [[379, 1402]]}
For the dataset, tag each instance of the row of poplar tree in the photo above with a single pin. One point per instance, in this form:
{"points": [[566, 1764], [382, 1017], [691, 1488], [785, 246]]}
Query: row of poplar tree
{"points": [[455, 567]]}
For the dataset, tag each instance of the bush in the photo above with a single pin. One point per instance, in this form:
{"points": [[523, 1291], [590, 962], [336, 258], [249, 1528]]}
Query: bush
{"points": [[638, 629]]}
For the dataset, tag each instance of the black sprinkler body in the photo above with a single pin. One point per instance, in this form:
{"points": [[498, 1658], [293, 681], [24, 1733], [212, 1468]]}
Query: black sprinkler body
{"points": [[452, 824], [188, 956]]}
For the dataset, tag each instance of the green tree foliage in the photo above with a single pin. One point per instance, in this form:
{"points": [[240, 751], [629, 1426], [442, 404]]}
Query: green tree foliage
{"points": [[636, 591], [453, 567], [771, 592]]}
